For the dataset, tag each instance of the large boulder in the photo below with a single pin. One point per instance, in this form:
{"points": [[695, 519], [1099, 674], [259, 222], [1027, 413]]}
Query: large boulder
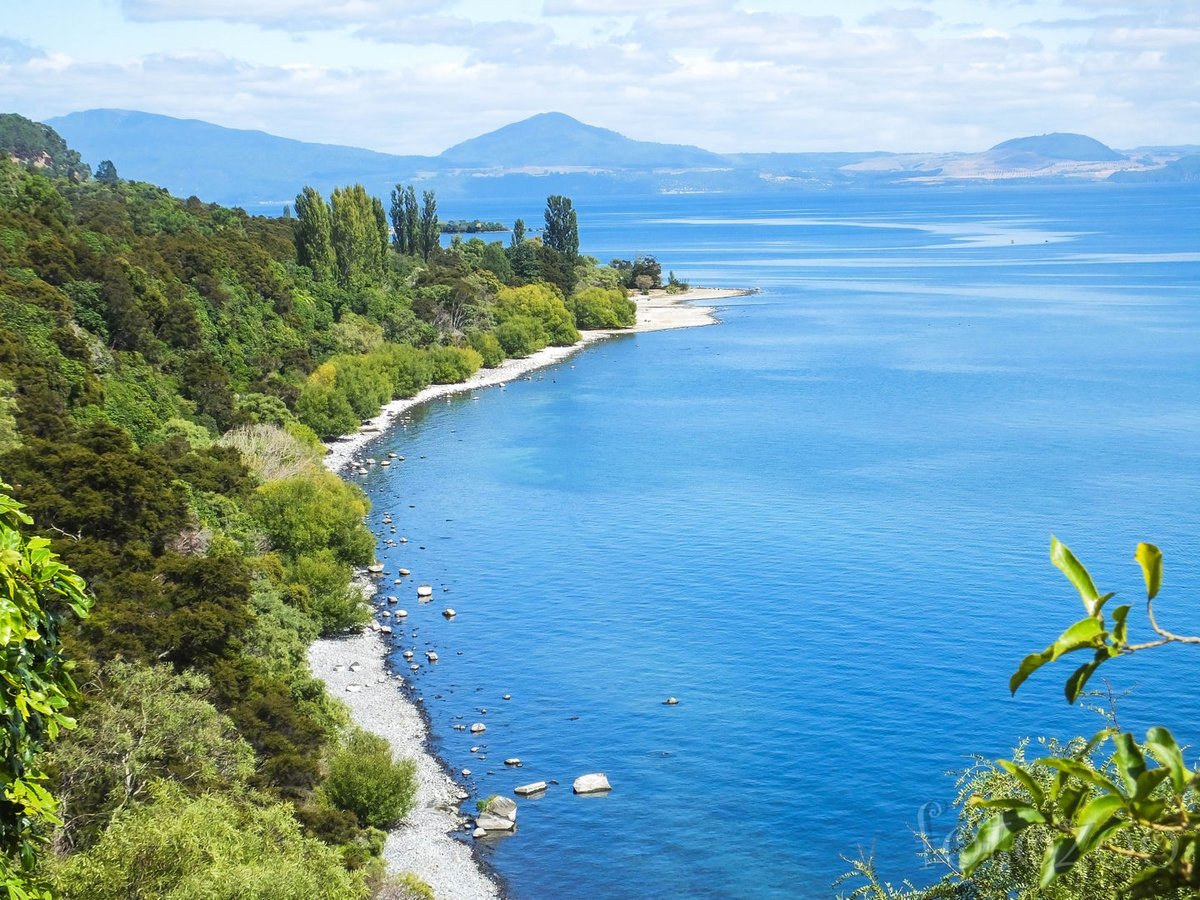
{"points": [[594, 783], [498, 814]]}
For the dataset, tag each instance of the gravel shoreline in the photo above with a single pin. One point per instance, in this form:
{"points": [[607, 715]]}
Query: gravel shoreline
{"points": [[424, 844]]}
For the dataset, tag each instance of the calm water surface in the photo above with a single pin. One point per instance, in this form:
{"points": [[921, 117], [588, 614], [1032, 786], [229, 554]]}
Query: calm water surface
{"points": [[822, 525]]}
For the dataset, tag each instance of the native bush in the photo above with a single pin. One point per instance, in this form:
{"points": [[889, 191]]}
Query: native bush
{"points": [[599, 308], [142, 723], [542, 303], [323, 407], [364, 779], [409, 370], [314, 512], [271, 453], [212, 847], [520, 336], [453, 364], [322, 587], [485, 344]]}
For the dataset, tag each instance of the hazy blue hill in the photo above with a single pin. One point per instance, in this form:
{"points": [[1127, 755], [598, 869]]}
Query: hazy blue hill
{"points": [[1058, 146], [1186, 168], [557, 140], [224, 165]]}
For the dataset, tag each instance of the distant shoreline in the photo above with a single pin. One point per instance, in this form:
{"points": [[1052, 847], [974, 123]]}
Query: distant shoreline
{"points": [[658, 311], [424, 844]]}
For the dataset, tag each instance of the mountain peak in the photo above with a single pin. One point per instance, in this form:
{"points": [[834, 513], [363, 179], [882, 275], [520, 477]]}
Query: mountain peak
{"points": [[555, 139], [1061, 146]]}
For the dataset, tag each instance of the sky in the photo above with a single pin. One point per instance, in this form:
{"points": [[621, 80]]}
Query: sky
{"points": [[417, 76]]}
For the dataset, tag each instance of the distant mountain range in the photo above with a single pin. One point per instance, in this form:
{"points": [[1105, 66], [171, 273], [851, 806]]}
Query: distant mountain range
{"points": [[553, 152]]}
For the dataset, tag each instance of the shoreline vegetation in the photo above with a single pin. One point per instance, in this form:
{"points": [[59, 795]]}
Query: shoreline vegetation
{"points": [[424, 844], [168, 370]]}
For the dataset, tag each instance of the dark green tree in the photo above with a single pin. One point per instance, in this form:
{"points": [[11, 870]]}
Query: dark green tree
{"points": [[399, 229], [314, 235], [412, 221], [359, 236], [106, 172], [518, 233], [562, 227], [429, 224]]}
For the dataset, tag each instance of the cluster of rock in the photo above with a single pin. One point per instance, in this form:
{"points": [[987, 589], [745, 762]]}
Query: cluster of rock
{"points": [[499, 814]]}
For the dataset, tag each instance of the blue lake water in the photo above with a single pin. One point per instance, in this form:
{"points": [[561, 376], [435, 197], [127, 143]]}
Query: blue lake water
{"points": [[822, 525]]}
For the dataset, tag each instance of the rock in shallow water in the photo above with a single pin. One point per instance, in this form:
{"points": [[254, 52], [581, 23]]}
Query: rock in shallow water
{"points": [[527, 790], [594, 783]]}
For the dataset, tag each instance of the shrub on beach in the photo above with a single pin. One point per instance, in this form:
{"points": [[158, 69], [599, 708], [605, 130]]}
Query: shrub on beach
{"points": [[485, 344], [314, 512], [454, 364], [596, 307], [364, 779], [520, 336], [541, 303]]}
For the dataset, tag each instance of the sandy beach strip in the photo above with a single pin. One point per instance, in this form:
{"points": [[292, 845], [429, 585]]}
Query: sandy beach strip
{"points": [[424, 844], [659, 311]]}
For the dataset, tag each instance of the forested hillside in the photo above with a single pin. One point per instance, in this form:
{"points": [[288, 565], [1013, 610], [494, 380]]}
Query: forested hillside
{"points": [[167, 368]]}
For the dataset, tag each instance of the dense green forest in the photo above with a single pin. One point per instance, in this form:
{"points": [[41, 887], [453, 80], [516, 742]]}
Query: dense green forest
{"points": [[167, 370]]}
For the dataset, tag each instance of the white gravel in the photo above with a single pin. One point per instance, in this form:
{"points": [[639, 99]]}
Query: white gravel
{"points": [[422, 844]]}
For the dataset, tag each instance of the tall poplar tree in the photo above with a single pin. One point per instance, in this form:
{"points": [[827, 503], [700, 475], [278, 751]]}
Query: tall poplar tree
{"points": [[562, 237], [412, 219], [429, 224], [359, 235], [399, 231], [562, 227], [314, 235]]}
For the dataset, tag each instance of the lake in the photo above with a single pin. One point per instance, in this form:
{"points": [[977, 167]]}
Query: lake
{"points": [[822, 525]]}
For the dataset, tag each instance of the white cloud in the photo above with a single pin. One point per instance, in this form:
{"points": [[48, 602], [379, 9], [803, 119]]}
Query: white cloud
{"points": [[290, 15], [911, 17], [852, 75]]}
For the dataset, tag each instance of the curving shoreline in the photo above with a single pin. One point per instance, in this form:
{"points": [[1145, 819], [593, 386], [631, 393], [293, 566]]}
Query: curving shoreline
{"points": [[657, 312], [424, 844]]}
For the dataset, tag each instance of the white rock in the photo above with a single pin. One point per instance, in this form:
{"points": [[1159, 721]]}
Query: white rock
{"points": [[527, 790], [512, 761], [431, 655], [375, 568], [466, 773], [386, 629], [489, 822], [504, 807], [353, 688], [479, 832], [424, 590], [355, 667], [449, 613], [594, 783], [478, 728], [401, 613], [403, 572], [671, 701]]}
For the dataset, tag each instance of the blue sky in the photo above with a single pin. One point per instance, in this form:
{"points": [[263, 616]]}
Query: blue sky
{"points": [[415, 76]]}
